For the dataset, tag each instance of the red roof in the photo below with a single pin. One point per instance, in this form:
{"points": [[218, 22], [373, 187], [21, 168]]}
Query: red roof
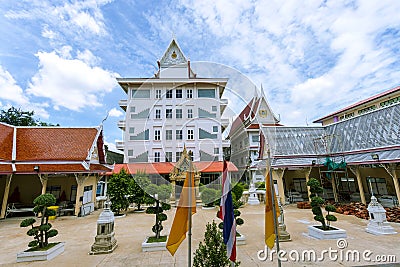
{"points": [[167, 167], [53, 149], [359, 103]]}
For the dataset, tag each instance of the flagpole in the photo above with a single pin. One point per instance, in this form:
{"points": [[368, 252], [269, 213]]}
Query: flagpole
{"points": [[272, 189], [190, 213]]}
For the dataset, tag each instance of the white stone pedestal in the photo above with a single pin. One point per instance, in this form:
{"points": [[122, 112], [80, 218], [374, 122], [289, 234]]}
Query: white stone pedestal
{"points": [[329, 234], [156, 246], [253, 199], [41, 255]]}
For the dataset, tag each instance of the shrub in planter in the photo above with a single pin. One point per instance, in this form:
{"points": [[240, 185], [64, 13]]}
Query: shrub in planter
{"points": [[44, 231], [208, 196], [317, 203]]}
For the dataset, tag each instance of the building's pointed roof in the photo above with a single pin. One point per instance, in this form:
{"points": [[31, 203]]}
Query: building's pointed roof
{"points": [[173, 55]]}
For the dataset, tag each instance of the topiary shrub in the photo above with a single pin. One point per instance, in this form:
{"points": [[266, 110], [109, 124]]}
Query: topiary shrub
{"points": [[42, 232], [316, 204], [163, 193]]}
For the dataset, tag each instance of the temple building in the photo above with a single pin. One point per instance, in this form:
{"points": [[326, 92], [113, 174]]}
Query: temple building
{"points": [[170, 111], [354, 156]]}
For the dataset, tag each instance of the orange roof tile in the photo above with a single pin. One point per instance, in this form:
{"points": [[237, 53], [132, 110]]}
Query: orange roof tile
{"points": [[42, 143], [6, 141]]}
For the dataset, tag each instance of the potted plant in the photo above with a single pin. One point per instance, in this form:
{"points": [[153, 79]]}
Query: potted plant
{"points": [[208, 196], [40, 248], [159, 194], [325, 230]]}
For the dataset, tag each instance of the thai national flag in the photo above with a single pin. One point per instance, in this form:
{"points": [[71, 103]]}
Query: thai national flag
{"points": [[227, 216]]}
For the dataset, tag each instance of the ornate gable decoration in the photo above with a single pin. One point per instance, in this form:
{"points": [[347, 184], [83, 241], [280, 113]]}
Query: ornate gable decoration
{"points": [[173, 55], [182, 166]]}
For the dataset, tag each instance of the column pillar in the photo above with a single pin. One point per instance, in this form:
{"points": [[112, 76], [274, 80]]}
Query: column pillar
{"points": [[43, 180], [395, 181], [5, 196], [357, 173], [277, 174], [197, 187], [307, 175], [80, 179]]}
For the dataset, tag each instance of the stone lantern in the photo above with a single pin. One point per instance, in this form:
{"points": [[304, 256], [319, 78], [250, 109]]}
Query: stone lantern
{"points": [[253, 199], [105, 241], [378, 224], [282, 233]]}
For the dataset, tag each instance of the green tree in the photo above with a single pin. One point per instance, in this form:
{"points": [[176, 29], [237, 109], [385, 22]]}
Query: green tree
{"points": [[138, 194], [213, 251], [43, 232], [208, 196], [17, 117], [317, 202], [119, 189]]}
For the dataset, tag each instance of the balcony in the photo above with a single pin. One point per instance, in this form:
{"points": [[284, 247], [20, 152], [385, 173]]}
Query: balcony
{"points": [[123, 104], [122, 125], [120, 145], [223, 104], [226, 143]]}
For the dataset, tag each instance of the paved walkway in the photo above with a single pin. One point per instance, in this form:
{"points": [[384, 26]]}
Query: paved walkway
{"points": [[79, 233]]}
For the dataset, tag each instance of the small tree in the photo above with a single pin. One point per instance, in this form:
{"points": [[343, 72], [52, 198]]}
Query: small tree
{"points": [[213, 251], [138, 194], [208, 196], [317, 202], [119, 189], [43, 232], [158, 194]]}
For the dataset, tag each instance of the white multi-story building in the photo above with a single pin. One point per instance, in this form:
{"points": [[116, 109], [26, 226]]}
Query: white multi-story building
{"points": [[173, 109]]}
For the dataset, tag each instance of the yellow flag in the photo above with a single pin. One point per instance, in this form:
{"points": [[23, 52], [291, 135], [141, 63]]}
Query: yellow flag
{"points": [[180, 224], [269, 216]]}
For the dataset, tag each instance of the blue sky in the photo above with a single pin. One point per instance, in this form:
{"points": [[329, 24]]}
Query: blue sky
{"points": [[60, 58]]}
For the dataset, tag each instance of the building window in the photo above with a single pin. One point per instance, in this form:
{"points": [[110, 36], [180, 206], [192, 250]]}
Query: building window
{"points": [[178, 93], [178, 114], [214, 108], [178, 134], [169, 94], [190, 113], [178, 155], [131, 130], [130, 152], [190, 134], [141, 93], [168, 113], [206, 93], [157, 135], [168, 156], [168, 134], [255, 138], [189, 93], [158, 113], [215, 129], [158, 93], [133, 109], [157, 156], [216, 150]]}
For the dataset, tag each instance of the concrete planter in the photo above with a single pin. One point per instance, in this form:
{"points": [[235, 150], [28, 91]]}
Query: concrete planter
{"points": [[240, 240], [26, 256], [329, 234], [208, 208], [156, 246]]}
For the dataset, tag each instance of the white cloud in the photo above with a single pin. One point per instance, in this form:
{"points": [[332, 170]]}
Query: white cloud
{"points": [[70, 83], [115, 113], [9, 90]]}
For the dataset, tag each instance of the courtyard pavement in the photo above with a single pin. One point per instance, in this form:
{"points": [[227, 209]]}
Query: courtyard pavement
{"points": [[130, 231]]}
